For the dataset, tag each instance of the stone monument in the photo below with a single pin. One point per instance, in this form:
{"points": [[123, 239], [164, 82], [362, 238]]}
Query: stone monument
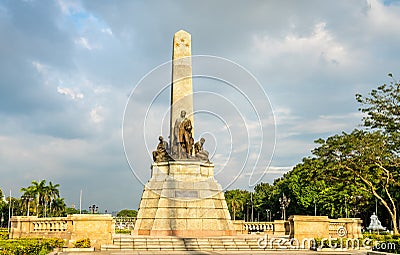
{"points": [[375, 224], [182, 198]]}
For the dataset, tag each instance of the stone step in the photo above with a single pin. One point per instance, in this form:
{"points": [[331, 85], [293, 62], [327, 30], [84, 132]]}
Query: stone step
{"points": [[168, 243]]}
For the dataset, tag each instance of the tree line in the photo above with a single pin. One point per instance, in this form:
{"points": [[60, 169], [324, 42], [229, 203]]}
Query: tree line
{"points": [[42, 200], [38, 199], [348, 175]]}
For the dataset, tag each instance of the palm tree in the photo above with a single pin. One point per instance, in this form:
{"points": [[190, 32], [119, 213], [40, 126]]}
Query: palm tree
{"points": [[46, 200], [39, 190], [236, 204], [53, 192], [59, 206], [43, 196], [28, 195]]}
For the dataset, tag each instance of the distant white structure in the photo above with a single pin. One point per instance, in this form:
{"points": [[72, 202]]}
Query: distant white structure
{"points": [[375, 224]]}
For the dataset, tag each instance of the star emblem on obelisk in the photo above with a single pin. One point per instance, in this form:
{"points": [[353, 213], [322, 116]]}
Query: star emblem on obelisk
{"points": [[182, 42]]}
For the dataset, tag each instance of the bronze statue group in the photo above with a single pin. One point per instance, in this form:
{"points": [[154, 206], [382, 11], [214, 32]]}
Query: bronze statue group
{"points": [[182, 144]]}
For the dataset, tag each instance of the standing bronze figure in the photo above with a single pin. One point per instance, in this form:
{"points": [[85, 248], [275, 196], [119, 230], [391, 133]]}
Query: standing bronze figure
{"points": [[183, 140]]}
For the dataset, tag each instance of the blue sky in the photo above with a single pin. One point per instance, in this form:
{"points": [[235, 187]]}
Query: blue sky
{"points": [[67, 69]]}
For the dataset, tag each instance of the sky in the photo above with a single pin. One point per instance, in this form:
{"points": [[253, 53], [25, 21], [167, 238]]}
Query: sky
{"points": [[84, 90]]}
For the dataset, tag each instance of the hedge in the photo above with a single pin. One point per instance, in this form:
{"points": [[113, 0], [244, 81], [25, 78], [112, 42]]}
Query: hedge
{"points": [[29, 246]]}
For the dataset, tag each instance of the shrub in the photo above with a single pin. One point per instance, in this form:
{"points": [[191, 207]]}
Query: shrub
{"points": [[29, 246], [52, 243], [82, 243], [122, 231], [3, 234], [385, 242]]}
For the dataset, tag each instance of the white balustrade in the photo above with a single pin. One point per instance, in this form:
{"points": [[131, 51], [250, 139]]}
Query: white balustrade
{"points": [[258, 226]]}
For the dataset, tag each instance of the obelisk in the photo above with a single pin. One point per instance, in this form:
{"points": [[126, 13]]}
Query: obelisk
{"points": [[182, 197], [182, 89]]}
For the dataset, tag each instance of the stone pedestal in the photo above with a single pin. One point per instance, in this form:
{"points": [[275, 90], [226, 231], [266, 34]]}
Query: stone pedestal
{"points": [[302, 227], [309, 226], [352, 225], [182, 198], [281, 228]]}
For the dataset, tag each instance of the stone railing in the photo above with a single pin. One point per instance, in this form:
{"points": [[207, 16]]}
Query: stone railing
{"points": [[52, 225], [99, 228], [301, 226], [124, 223], [258, 226], [243, 227]]}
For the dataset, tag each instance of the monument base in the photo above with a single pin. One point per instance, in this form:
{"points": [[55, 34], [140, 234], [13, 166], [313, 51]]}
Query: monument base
{"points": [[182, 198]]}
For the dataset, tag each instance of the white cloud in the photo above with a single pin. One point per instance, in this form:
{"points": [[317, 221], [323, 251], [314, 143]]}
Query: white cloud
{"points": [[383, 19], [319, 45], [283, 115], [279, 169], [84, 42], [69, 92], [107, 31], [328, 124], [41, 68], [69, 7], [101, 90], [292, 150], [96, 114], [271, 170], [289, 124]]}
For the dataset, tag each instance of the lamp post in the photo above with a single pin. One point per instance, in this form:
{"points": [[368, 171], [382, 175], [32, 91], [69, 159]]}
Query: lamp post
{"points": [[93, 209], [247, 211], [252, 211], [9, 214], [284, 202], [1, 219], [357, 199], [315, 207], [268, 215]]}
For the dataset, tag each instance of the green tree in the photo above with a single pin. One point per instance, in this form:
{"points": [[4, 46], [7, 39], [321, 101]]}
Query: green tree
{"points": [[28, 197], [238, 202], [262, 200], [365, 159], [70, 210], [39, 190], [43, 195], [348, 172], [382, 106], [53, 193], [58, 207], [16, 207], [127, 213]]}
